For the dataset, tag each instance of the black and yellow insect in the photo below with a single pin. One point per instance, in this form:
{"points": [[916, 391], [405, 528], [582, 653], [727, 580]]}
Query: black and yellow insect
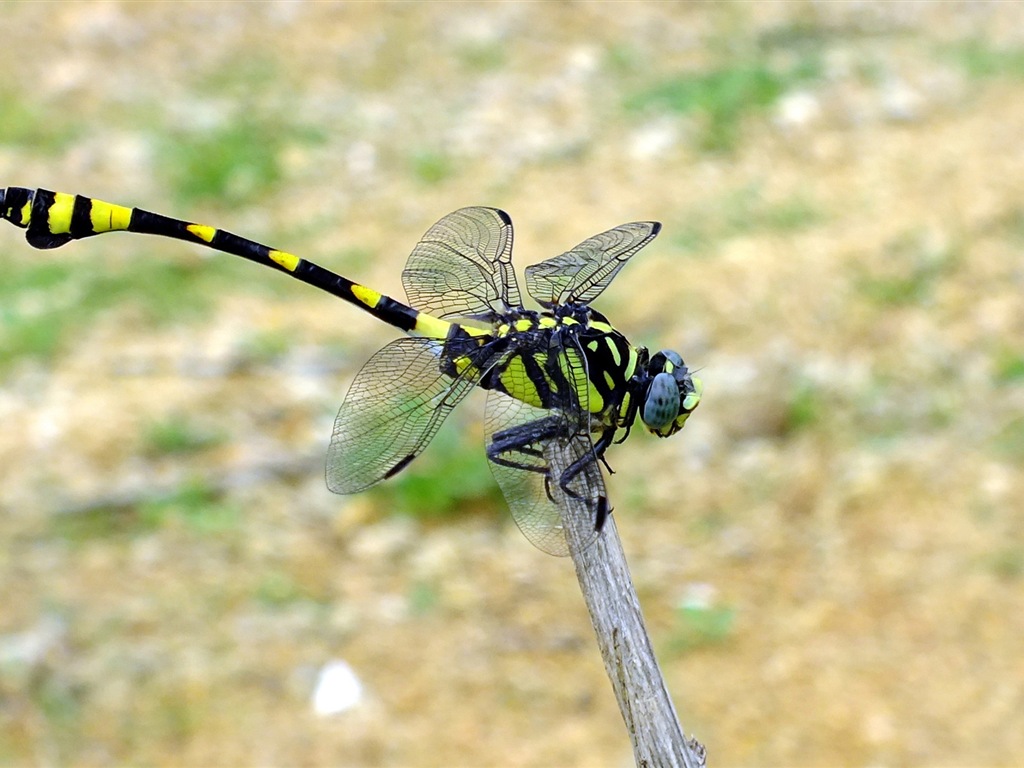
{"points": [[563, 383]]}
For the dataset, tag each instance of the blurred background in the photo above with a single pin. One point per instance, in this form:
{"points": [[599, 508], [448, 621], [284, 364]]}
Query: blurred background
{"points": [[830, 556]]}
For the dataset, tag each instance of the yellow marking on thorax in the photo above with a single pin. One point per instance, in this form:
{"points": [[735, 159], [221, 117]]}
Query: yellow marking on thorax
{"points": [[547, 322], [202, 231], [517, 383], [58, 218], [285, 260], [624, 408], [462, 363], [613, 348], [595, 403], [26, 214], [107, 217], [630, 368], [578, 380]]}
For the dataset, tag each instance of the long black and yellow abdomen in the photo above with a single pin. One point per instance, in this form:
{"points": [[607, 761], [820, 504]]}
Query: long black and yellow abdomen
{"points": [[52, 219]]}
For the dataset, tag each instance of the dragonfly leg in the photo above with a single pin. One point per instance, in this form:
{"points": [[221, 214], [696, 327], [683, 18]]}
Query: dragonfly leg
{"points": [[597, 454], [523, 440], [574, 469]]}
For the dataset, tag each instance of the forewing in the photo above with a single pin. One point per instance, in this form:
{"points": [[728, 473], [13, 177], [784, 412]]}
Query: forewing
{"points": [[394, 407], [579, 275], [542, 517], [462, 268]]}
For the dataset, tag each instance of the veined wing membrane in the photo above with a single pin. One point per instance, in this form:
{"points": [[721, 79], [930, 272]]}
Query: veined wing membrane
{"points": [[530, 450], [395, 406], [579, 275], [462, 268], [528, 474]]}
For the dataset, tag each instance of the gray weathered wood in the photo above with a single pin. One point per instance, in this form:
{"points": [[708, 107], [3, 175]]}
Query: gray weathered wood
{"points": [[646, 706]]}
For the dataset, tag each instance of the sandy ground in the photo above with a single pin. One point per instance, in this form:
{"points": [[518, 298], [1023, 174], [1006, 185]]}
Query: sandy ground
{"points": [[830, 556]]}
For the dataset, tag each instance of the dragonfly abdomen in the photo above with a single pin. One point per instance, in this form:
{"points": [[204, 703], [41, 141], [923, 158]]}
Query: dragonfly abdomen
{"points": [[52, 219]]}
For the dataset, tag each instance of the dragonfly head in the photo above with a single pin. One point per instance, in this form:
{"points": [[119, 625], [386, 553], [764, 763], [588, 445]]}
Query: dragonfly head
{"points": [[671, 396]]}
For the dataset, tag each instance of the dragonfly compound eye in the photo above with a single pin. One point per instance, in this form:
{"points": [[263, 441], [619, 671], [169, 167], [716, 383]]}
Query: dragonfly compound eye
{"points": [[672, 396], [661, 405]]}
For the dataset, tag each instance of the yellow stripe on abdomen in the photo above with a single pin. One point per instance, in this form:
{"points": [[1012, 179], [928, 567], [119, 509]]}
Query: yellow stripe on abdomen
{"points": [[58, 217], [432, 327], [285, 260], [202, 231], [367, 296], [107, 217]]}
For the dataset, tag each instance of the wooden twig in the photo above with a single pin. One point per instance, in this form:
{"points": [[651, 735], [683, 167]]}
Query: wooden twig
{"points": [[646, 707]]}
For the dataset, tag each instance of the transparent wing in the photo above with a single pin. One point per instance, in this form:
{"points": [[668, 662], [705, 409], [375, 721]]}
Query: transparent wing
{"points": [[396, 404], [579, 275], [530, 451], [462, 268], [540, 507]]}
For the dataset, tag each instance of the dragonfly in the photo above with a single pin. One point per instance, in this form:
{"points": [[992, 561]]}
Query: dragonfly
{"points": [[562, 383]]}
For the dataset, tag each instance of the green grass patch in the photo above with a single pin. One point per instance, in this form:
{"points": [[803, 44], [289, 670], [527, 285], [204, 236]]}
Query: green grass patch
{"points": [[423, 598], [723, 96], [99, 523], [35, 297], [1015, 225], [1009, 366], [449, 479], [913, 269], [44, 304], [266, 347], [233, 164], [176, 436], [482, 57], [805, 409], [194, 504], [1008, 563], [746, 210], [701, 626], [622, 60], [790, 215], [981, 59], [246, 75], [60, 704], [431, 167], [1009, 441], [277, 589], [741, 212], [42, 131]]}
